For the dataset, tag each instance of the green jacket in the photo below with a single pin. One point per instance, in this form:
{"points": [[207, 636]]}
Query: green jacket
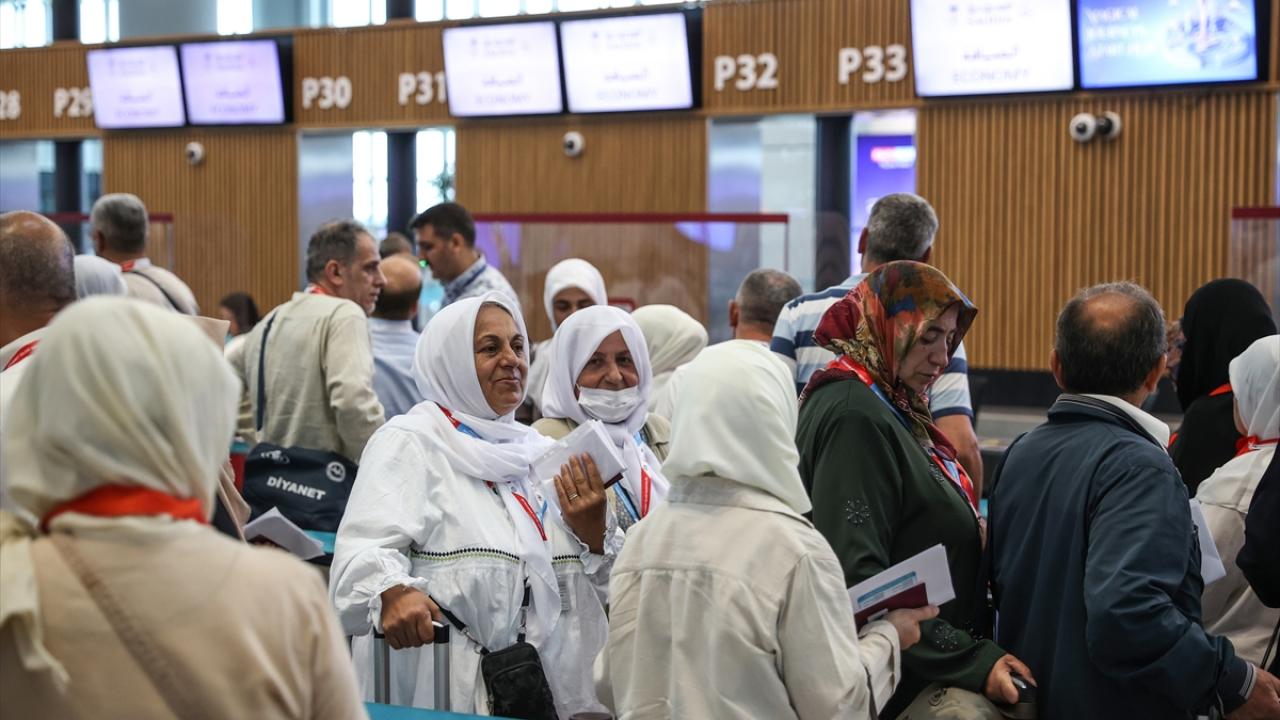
{"points": [[879, 499]]}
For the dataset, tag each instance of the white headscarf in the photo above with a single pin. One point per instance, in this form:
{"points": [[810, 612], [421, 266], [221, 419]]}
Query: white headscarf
{"points": [[1255, 382], [120, 393], [444, 368], [95, 276], [572, 273], [674, 338], [574, 344], [735, 418]]}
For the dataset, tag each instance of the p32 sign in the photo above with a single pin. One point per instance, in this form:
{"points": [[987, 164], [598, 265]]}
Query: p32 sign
{"points": [[746, 72]]}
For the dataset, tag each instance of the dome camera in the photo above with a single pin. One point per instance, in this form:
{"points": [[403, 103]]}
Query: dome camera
{"points": [[1083, 127], [574, 143], [195, 153]]}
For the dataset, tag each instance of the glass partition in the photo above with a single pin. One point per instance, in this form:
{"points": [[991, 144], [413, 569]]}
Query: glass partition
{"points": [[694, 262], [1254, 251]]}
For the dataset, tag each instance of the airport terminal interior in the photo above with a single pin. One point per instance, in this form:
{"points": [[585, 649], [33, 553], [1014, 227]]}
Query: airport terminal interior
{"points": [[592, 359]]}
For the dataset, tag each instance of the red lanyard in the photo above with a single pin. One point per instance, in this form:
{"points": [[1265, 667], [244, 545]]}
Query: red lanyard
{"points": [[532, 515], [646, 487], [317, 290], [1247, 445], [123, 500], [127, 265], [1222, 389], [23, 353], [960, 477]]}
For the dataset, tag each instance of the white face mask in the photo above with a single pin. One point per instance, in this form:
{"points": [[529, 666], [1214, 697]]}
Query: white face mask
{"points": [[611, 406]]}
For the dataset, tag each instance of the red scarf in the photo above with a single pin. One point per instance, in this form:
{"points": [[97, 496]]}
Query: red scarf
{"points": [[1247, 445], [126, 500]]}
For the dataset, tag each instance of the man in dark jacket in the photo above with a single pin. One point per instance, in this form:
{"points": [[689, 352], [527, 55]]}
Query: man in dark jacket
{"points": [[1094, 557]]}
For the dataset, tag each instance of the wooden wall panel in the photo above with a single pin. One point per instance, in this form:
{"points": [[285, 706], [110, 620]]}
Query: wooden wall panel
{"points": [[806, 36], [1029, 216], [372, 58], [235, 215], [36, 73], [656, 163]]}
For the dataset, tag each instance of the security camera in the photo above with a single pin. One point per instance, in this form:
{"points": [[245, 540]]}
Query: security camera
{"points": [[1083, 127], [1109, 126], [195, 153], [574, 143]]}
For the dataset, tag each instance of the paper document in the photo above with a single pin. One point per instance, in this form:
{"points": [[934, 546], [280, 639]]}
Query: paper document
{"points": [[1211, 568], [589, 437], [923, 579], [277, 528]]}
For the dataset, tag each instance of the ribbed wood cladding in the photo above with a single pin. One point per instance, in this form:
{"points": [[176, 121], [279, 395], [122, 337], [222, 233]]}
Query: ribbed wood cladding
{"points": [[36, 74], [1028, 216], [655, 163], [806, 36], [235, 215], [644, 263], [372, 58]]}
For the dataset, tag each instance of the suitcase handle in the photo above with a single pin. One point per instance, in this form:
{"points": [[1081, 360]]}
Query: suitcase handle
{"points": [[382, 667]]}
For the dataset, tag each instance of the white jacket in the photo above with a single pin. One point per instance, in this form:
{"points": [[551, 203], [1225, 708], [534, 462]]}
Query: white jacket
{"points": [[412, 520]]}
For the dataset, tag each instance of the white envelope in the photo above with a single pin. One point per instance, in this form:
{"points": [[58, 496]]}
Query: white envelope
{"points": [[277, 528], [1211, 567], [589, 437]]}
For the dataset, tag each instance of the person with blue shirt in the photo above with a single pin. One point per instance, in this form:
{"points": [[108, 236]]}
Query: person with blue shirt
{"points": [[394, 339], [901, 227]]}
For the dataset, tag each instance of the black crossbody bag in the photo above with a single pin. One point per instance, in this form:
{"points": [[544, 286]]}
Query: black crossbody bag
{"points": [[310, 487], [513, 676]]}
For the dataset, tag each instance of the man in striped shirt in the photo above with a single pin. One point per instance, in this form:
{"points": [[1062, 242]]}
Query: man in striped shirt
{"points": [[901, 227]]}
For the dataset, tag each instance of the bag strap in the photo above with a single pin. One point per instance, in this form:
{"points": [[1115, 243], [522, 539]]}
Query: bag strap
{"points": [[1266, 657], [262, 373], [149, 656], [169, 298], [462, 627]]}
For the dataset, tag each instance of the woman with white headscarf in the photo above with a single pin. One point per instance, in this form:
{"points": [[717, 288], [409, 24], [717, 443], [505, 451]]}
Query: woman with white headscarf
{"points": [[726, 603], [113, 445], [571, 285], [445, 515], [95, 276], [1230, 606], [600, 370], [674, 338]]}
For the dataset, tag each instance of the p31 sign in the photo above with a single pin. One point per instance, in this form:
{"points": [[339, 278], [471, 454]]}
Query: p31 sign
{"points": [[421, 88], [876, 63]]}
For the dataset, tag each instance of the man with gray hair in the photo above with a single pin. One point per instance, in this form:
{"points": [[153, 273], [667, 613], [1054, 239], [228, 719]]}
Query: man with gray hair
{"points": [[318, 361], [1096, 565], [761, 297], [37, 279], [120, 226], [901, 227]]}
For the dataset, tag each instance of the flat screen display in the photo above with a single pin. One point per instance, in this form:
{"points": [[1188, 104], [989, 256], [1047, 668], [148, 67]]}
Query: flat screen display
{"points": [[233, 83], [136, 87], [510, 69], [627, 63], [986, 47], [1129, 43]]}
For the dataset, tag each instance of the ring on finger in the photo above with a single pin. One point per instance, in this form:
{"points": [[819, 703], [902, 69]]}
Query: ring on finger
{"points": [[574, 496]]}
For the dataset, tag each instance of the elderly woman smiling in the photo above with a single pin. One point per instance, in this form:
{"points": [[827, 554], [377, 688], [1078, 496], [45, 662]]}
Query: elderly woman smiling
{"points": [[446, 515], [600, 370]]}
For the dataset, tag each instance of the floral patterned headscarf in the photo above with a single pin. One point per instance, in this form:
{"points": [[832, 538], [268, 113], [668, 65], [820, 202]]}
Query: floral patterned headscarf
{"points": [[878, 322]]}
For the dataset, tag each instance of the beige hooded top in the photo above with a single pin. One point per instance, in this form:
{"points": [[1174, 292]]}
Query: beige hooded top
{"points": [[124, 393], [1230, 607], [725, 601]]}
